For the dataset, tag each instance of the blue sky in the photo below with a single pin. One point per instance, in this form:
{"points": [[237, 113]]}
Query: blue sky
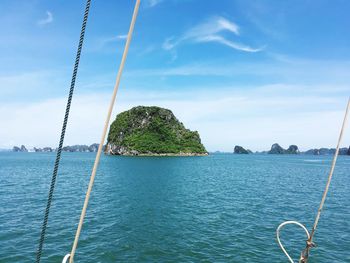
{"points": [[240, 72]]}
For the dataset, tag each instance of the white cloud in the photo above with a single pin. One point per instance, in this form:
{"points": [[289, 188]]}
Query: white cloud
{"points": [[107, 40], [232, 44], [32, 84], [210, 31], [47, 20], [212, 26], [116, 38], [223, 117], [105, 43]]}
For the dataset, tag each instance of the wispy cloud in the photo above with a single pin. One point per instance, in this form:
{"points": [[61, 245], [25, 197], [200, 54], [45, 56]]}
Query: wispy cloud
{"points": [[106, 42], [47, 20], [211, 31], [152, 3]]}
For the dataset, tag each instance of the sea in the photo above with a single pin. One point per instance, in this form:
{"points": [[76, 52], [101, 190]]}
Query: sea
{"points": [[216, 208]]}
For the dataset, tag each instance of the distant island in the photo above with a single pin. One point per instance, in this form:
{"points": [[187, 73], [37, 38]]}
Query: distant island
{"points": [[74, 148], [275, 149], [293, 149], [152, 131], [240, 150]]}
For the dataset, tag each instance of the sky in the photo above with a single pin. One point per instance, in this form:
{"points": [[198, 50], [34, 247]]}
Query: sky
{"points": [[248, 73]]}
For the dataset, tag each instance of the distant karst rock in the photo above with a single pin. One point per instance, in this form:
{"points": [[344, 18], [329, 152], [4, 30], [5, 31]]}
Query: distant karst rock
{"points": [[240, 150], [277, 149], [19, 149], [151, 131], [292, 149], [313, 152], [23, 149], [328, 151], [47, 149], [37, 150], [321, 151], [343, 151], [93, 147], [16, 149], [76, 148]]}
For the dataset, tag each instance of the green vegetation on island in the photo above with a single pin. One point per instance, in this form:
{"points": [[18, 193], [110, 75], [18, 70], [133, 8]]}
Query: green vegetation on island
{"points": [[151, 131]]}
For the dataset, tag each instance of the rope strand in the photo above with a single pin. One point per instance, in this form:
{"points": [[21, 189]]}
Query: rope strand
{"points": [[309, 241], [98, 155], [63, 132]]}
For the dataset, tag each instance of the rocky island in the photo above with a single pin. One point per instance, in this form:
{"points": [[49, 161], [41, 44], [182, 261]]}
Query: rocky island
{"points": [[19, 149], [152, 131], [240, 150], [277, 149]]}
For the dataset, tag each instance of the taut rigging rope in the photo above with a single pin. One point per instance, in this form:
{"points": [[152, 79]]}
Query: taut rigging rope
{"points": [[309, 243], [99, 151], [63, 132]]}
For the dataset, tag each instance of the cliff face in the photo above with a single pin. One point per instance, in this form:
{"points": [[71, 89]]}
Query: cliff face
{"points": [[151, 131]]}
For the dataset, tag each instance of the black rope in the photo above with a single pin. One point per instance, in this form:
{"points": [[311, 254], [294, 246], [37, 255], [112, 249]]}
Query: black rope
{"points": [[63, 132]]}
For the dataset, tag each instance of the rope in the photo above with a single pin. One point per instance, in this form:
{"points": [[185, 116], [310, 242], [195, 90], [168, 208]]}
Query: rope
{"points": [[278, 235], [309, 243], [63, 132], [93, 174]]}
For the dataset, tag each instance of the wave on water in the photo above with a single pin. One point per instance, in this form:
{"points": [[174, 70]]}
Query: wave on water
{"points": [[313, 161]]}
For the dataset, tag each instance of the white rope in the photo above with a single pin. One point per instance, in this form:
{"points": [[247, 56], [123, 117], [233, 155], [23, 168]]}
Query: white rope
{"points": [[309, 243], [278, 235], [65, 259], [103, 137]]}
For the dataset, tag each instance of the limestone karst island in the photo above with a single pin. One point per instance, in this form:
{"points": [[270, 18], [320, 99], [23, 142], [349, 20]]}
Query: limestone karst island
{"points": [[152, 131]]}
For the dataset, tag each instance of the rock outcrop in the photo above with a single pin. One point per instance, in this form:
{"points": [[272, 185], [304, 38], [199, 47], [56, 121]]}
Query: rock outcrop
{"points": [[240, 150], [292, 149], [277, 149], [151, 131], [93, 147], [73, 148], [45, 149], [343, 151], [328, 151], [19, 149], [81, 148]]}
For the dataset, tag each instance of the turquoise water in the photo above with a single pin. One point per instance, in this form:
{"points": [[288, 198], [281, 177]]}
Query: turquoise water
{"points": [[220, 208]]}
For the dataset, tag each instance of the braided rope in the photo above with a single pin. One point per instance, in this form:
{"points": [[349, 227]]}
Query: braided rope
{"points": [[105, 129], [63, 132]]}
